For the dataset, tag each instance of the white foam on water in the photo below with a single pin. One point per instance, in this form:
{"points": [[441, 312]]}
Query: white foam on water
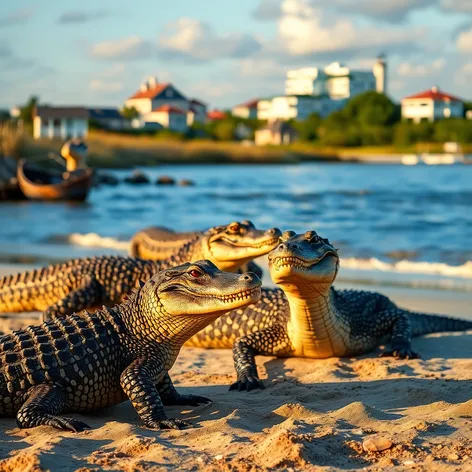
{"points": [[411, 267], [372, 264], [95, 240]]}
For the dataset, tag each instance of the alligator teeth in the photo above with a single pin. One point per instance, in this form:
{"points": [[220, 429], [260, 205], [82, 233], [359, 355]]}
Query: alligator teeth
{"points": [[239, 296], [292, 262]]}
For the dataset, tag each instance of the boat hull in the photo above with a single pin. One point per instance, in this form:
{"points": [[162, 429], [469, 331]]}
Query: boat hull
{"points": [[39, 184]]}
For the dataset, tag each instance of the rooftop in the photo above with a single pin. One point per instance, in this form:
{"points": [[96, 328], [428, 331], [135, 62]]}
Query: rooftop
{"points": [[216, 115], [151, 92], [249, 104], [61, 112], [434, 94]]}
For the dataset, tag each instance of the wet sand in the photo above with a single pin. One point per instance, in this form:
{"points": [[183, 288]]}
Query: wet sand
{"points": [[312, 415]]}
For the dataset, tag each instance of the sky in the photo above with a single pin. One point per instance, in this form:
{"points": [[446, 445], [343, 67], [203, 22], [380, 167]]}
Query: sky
{"points": [[96, 53]]}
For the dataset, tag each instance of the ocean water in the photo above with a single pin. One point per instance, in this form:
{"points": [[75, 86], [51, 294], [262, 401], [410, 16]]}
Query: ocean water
{"points": [[392, 224]]}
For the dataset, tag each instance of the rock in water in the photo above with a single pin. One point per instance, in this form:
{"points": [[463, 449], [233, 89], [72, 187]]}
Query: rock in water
{"points": [[137, 177], [165, 180]]}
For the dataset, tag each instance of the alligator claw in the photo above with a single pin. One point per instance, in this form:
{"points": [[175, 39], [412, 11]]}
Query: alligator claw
{"points": [[192, 400], [401, 353], [169, 423], [68, 424], [247, 383]]}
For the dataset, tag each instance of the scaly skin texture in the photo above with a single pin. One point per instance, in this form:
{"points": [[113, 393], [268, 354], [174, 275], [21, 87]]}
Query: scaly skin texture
{"points": [[309, 318], [90, 282], [81, 363], [158, 243]]}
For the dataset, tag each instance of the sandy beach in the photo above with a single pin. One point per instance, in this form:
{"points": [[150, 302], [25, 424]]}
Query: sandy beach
{"points": [[312, 415]]}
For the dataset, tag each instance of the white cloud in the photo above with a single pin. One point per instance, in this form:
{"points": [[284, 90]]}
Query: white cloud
{"points": [[105, 86], [409, 69], [460, 6], [189, 38], [132, 47], [464, 41], [304, 30], [257, 67]]}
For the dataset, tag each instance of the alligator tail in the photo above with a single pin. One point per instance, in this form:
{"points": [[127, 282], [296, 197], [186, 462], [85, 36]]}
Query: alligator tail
{"points": [[17, 292], [422, 323]]}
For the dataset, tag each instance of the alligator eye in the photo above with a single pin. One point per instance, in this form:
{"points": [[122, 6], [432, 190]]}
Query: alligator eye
{"points": [[234, 227], [286, 235], [195, 273]]}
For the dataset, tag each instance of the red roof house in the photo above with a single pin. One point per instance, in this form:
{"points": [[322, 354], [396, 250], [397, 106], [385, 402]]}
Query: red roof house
{"points": [[431, 105]]}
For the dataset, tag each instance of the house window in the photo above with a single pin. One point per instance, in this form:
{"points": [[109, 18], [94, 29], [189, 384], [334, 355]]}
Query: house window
{"points": [[169, 93], [56, 122]]}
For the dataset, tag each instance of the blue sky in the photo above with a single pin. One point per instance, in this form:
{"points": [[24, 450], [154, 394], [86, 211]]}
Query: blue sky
{"points": [[97, 52]]}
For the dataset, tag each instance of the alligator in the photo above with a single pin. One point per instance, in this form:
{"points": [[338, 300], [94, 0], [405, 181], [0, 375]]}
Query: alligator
{"points": [[159, 242], [308, 317], [87, 283], [96, 360]]}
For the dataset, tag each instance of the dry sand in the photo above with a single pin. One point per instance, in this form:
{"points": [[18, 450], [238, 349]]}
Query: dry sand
{"points": [[313, 414]]}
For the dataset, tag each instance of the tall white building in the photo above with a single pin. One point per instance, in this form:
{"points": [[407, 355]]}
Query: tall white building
{"points": [[335, 80]]}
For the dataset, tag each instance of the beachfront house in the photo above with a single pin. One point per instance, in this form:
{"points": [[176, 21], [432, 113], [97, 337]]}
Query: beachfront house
{"points": [[163, 103], [276, 132], [60, 122], [246, 110], [431, 105]]}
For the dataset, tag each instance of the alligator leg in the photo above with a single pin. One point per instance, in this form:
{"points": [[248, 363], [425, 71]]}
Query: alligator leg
{"points": [[90, 294], [400, 341], [170, 396], [271, 341], [137, 383], [44, 402]]}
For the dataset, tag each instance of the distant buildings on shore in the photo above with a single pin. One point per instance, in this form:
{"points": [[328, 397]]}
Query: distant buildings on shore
{"points": [[155, 105], [316, 90]]}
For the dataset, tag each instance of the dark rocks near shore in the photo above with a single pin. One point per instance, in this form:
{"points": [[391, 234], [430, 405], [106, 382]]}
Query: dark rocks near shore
{"points": [[186, 183], [106, 179], [165, 180], [137, 178]]}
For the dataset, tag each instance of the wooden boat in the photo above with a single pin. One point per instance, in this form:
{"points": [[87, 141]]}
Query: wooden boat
{"points": [[39, 184]]}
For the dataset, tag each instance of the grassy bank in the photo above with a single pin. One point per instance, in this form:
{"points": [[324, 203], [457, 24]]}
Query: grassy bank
{"points": [[107, 150]]}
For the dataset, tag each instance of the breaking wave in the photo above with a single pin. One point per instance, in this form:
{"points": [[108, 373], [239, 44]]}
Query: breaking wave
{"points": [[403, 266], [411, 267], [95, 240]]}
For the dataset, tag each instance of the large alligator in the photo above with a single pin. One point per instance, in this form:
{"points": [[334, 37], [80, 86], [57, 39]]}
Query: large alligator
{"points": [[81, 363], [158, 242], [86, 283], [307, 317]]}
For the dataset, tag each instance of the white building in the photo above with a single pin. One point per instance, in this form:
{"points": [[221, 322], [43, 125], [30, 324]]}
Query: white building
{"points": [[246, 110], [431, 105], [299, 107], [60, 122], [335, 80], [170, 117]]}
